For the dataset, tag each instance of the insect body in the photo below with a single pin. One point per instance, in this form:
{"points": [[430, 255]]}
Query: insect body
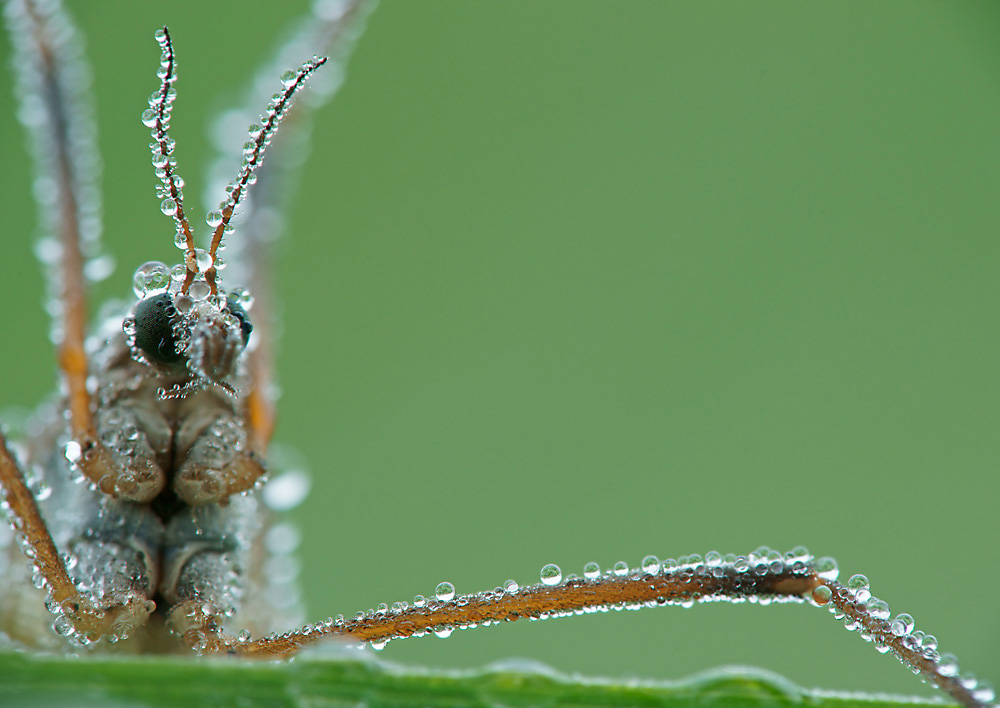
{"points": [[148, 498], [151, 525]]}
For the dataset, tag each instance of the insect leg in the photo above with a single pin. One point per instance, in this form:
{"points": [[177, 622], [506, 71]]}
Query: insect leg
{"points": [[76, 613], [53, 87], [764, 577], [54, 91], [629, 588], [205, 568], [897, 638], [212, 455]]}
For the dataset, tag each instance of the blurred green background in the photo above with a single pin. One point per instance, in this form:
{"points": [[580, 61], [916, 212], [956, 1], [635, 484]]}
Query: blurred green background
{"points": [[576, 281]]}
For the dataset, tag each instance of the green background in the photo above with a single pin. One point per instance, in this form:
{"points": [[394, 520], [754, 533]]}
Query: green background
{"points": [[576, 281]]}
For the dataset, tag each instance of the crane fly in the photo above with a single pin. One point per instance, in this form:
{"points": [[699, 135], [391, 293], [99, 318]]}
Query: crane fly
{"points": [[140, 496]]}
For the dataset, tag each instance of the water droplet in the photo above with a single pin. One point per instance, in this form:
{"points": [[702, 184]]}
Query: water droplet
{"points": [[151, 276], [713, 559], [419, 601], [826, 568], [149, 118], [444, 632], [860, 588], [73, 452], [286, 491], [183, 303], [969, 681], [591, 570], [948, 665], [550, 574], [203, 258], [213, 219], [858, 582], [378, 645], [241, 297], [287, 78], [902, 624], [444, 592], [651, 565], [510, 586], [199, 290], [63, 626], [821, 595], [879, 609], [168, 206], [620, 568], [984, 693], [99, 268]]}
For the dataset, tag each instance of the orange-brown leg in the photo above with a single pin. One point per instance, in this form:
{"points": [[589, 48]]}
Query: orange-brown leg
{"points": [[632, 588], [52, 74], [761, 577], [76, 613], [213, 454], [895, 635], [47, 63]]}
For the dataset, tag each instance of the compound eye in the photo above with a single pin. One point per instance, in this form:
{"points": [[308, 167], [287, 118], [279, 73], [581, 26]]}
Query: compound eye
{"points": [[154, 329], [246, 326]]}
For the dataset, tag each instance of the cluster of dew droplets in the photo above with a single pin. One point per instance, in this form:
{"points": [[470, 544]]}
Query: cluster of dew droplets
{"points": [[157, 119], [155, 276], [331, 29], [198, 311], [279, 600], [92, 580], [856, 597], [261, 134], [14, 532], [54, 89], [760, 563]]}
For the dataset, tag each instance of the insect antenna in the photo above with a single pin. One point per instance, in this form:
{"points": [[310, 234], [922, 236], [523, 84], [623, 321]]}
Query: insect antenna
{"points": [[157, 118], [253, 155]]}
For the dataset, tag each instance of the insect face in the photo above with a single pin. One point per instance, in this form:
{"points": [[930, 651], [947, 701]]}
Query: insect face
{"points": [[201, 338]]}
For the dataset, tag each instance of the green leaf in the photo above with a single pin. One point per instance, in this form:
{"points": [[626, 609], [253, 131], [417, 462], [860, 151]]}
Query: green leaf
{"points": [[32, 680]]}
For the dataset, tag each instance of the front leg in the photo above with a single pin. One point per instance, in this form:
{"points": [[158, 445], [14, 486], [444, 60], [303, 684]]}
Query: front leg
{"points": [[77, 613], [214, 459], [209, 552]]}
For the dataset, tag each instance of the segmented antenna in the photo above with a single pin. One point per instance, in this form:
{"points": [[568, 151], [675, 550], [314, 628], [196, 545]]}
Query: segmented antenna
{"points": [[253, 155], [157, 118]]}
